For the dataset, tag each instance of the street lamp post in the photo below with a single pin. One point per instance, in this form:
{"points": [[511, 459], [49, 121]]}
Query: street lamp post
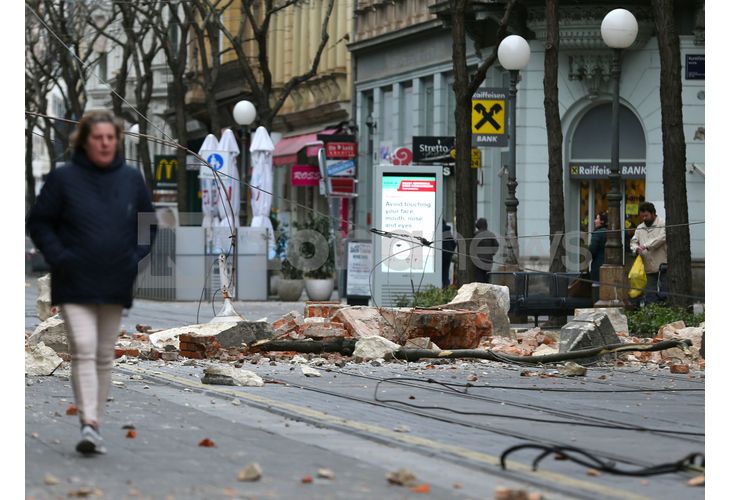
{"points": [[513, 54], [618, 30], [244, 113]]}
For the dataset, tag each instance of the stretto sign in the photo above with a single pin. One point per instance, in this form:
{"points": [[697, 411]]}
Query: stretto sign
{"points": [[601, 170]]}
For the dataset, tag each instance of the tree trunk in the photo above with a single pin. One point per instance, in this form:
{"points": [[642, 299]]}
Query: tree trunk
{"points": [[465, 176], [29, 179], [675, 157], [555, 142]]}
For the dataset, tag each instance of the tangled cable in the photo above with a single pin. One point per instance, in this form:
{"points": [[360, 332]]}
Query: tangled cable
{"points": [[582, 457]]}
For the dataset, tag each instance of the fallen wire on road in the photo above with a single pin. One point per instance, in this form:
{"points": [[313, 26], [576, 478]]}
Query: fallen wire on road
{"points": [[416, 354], [582, 457], [346, 347]]}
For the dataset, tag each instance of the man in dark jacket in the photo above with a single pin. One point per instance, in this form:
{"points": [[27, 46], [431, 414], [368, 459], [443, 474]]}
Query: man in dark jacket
{"points": [[597, 247], [448, 245], [483, 249], [85, 222]]}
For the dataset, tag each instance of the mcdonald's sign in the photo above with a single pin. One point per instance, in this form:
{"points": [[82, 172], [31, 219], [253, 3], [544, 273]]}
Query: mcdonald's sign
{"points": [[165, 172]]}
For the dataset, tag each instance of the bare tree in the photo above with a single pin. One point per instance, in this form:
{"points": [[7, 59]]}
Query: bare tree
{"points": [[675, 154], [555, 141], [70, 41], [171, 27], [465, 85], [139, 49], [253, 31], [38, 85]]}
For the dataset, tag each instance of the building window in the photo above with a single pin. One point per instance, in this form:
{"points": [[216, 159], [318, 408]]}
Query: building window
{"points": [[406, 112], [102, 66], [427, 107]]}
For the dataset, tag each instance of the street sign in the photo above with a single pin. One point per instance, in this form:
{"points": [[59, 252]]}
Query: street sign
{"points": [[341, 150], [694, 66], [338, 168], [342, 186], [476, 157], [601, 169], [433, 149], [488, 117]]}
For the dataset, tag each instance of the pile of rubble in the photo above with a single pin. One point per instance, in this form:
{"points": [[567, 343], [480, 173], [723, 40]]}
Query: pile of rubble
{"points": [[477, 319]]}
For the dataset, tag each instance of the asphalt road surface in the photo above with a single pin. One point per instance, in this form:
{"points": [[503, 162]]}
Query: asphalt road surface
{"points": [[447, 422]]}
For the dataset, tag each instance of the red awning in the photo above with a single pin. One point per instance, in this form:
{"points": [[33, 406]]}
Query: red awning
{"points": [[285, 152]]}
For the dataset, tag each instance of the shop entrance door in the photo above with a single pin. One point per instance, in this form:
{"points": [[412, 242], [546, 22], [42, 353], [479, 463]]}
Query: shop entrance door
{"points": [[589, 166], [594, 200]]}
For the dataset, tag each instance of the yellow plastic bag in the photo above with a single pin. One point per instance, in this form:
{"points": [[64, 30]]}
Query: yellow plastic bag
{"points": [[637, 278]]}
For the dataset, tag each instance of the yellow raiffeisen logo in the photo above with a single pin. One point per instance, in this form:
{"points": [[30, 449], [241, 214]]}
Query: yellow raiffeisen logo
{"points": [[487, 117]]}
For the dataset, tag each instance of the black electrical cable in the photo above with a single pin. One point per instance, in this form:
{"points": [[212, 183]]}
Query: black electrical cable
{"points": [[530, 419], [468, 385], [686, 464]]}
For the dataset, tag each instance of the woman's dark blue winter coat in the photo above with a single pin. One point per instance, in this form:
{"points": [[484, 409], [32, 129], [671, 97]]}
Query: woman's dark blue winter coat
{"points": [[85, 223]]}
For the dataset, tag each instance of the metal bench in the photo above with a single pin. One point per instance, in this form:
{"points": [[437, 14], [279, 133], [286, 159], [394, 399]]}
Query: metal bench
{"points": [[541, 293]]}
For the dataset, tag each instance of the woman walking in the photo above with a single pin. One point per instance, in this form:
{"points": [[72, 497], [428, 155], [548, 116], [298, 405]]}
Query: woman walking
{"points": [[85, 222]]}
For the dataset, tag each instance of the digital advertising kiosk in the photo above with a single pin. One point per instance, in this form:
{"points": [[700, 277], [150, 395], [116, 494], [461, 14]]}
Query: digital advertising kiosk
{"points": [[407, 204]]}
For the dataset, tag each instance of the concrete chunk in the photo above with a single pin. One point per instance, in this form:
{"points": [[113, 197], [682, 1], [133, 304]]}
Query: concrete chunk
{"points": [[41, 360], [486, 296], [374, 347], [362, 321], [228, 375], [43, 302], [52, 332], [227, 334], [591, 330], [615, 315]]}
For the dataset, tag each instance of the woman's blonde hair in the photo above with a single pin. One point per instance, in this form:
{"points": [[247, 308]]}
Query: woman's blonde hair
{"points": [[83, 128]]}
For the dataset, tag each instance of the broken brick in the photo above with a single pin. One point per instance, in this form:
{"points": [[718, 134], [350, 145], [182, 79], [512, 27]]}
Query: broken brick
{"points": [[681, 369], [324, 309]]}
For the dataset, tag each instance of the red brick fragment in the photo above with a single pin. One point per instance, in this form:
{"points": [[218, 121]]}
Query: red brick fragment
{"points": [[72, 410], [206, 443], [307, 479], [681, 369]]}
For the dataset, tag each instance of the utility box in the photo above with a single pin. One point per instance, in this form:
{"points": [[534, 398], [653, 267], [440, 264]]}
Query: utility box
{"points": [[408, 206], [252, 274]]}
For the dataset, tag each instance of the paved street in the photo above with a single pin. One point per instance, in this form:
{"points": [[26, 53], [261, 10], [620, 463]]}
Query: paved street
{"points": [[449, 436]]}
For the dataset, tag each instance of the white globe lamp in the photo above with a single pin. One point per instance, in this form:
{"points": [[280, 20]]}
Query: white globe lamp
{"points": [[244, 112], [514, 53], [619, 29]]}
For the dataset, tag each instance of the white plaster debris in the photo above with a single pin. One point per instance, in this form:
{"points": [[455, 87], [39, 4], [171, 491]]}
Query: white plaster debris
{"points": [[41, 360], [308, 371], [375, 347], [243, 378]]}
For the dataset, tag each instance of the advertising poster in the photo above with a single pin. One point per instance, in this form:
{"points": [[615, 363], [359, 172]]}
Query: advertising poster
{"points": [[359, 264], [408, 208]]}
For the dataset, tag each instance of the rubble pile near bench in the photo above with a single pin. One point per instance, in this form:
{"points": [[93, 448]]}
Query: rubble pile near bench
{"points": [[477, 318]]}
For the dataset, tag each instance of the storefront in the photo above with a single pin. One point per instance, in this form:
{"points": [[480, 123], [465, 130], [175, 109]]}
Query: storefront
{"points": [[589, 165]]}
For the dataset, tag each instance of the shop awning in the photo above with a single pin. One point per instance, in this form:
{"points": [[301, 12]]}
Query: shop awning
{"points": [[285, 152]]}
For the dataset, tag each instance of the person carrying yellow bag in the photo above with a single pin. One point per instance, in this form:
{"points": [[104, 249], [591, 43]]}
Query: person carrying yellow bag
{"points": [[650, 243], [637, 278]]}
